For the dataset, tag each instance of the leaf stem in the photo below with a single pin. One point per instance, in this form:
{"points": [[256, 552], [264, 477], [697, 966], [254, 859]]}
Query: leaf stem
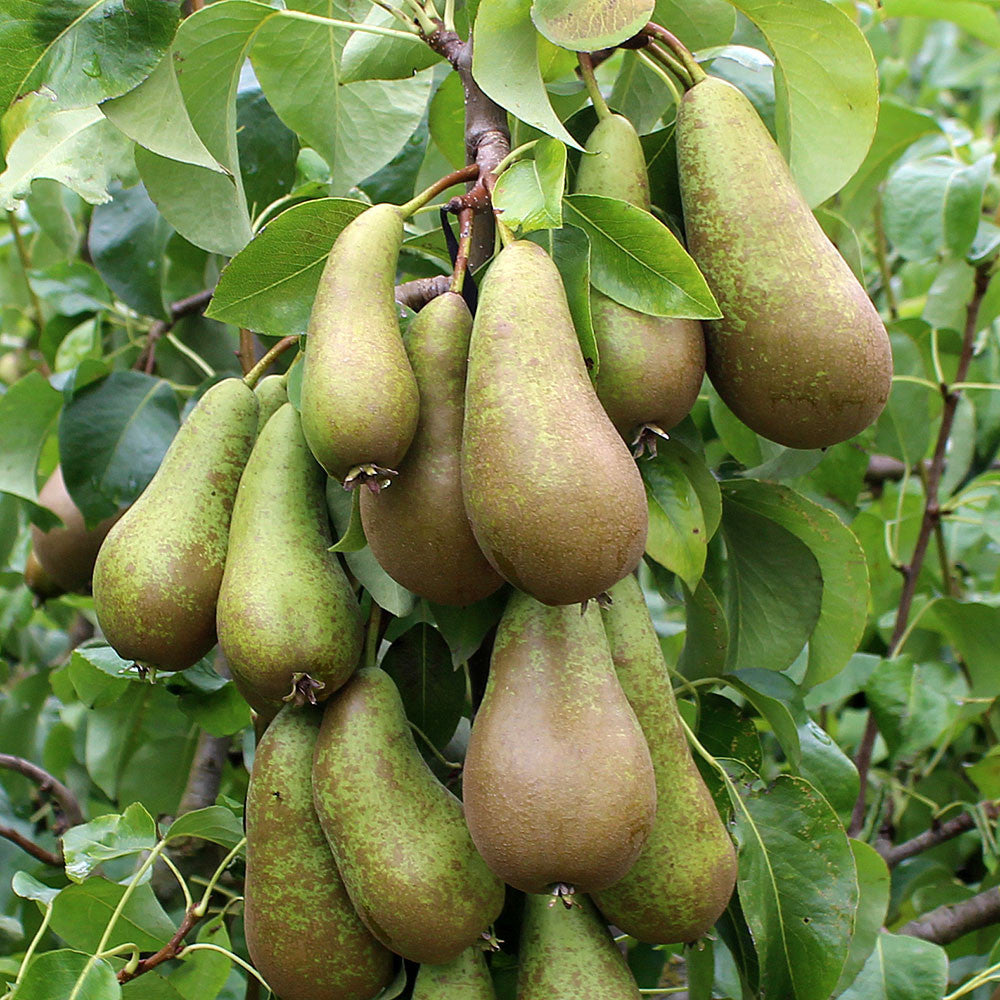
{"points": [[205, 946], [590, 82], [180, 880], [433, 749], [202, 908], [39, 934], [466, 173], [25, 258], [253, 376], [371, 29], [513, 155]]}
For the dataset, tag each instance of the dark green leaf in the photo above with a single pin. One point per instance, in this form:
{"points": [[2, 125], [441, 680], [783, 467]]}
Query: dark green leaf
{"points": [[112, 437], [221, 713], [678, 537], [706, 643], [464, 629], [725, 731], [972, 627], [267, 149], [637, 261]]}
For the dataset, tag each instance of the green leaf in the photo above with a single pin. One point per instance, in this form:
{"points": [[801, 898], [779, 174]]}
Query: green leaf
{"points": [[505, 65], [28, 412], [353, 539], [797, 886], [81, 912], [772, 694], [221, 712], [433, 691], [269, 286], [914, 704], [464, 629], [93, 685], [66, 973], [381, 57], [677, 538], [706, 642], [901, 968], [81, 51], [127, 239], [529, 193], [214, 823], [154, 116], [844, 604], [704, 482], [28, 887], [446, 120], [112, 437], [637, 261], [985, 774], [826, 88], [78, 148], [978, 19], [355, 127], [873, 902], [204, 973], [586, 25], [106, 837], [708, 22], [725, 731], [933, 206], [152, 986], [774, 590]]}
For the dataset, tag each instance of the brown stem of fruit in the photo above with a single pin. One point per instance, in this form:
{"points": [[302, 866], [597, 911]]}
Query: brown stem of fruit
{"points": [[170, 950], [178, 310], [954, 920], [688, 71], [465, 217], [245, 353], [937, 834], [252, 376], [931, 517], [72, 813], [35, 850]]}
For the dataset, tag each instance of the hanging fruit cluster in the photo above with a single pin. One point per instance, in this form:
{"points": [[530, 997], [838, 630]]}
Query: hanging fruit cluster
{"points": [[484, 454]]}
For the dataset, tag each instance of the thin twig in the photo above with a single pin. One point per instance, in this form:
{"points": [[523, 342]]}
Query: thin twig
{"points": [[931, 516], [46, 783], [937, 834], [35, 850], [170, 950], [178, 310]]}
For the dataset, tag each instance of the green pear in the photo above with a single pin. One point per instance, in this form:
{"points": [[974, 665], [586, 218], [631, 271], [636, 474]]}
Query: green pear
{"points": [[418, 529], [157, 576], [398, 834], [554, 498], [800, 354], [38, 581], [67, 553], [303, 934], [567, 953], [271, 395], [464, 978], [359, 396], [558, 783], [685, 873], [288, 620], [651, 366]]}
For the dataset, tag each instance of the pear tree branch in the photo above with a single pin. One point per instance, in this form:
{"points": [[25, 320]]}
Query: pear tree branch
{"points": [[939, 833], [178, 310], [35, 850], [72, 813], [931, 518], [954, 920]]}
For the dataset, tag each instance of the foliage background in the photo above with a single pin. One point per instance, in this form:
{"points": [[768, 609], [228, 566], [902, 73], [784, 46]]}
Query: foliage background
{"points": [[225, 151]]}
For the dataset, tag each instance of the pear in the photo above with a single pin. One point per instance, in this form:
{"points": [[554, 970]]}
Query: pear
{"points": [[38, 581], [271, 395], [418, 530], [555, 501], [651, 367], [685, 873], [302, 932], [288, 620], [464, 978], [359, 395], [67, 554], [158, 573], [558, 783], [567, 953], [398, 834], [800, 354]]}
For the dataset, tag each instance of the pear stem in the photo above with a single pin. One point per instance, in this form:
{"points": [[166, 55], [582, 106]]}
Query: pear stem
{"points": [[506, 236], [677, 47], [462, 257], [665, 58], [251, 378], [671, 83], [514, 154], [467, 173], [590, 82]]}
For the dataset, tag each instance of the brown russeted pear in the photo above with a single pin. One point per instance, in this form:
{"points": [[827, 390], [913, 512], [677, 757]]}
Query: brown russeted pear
{"points": [[359, 396], [464, 978], [399, 836], [288, 620], [651, 367], [685, 873], [567, 953], [800, 354], [272, 394], [38, 581], [302, 932], [418, 530], [554, 498], [157, 575], [558, 783], [67, 553]]}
